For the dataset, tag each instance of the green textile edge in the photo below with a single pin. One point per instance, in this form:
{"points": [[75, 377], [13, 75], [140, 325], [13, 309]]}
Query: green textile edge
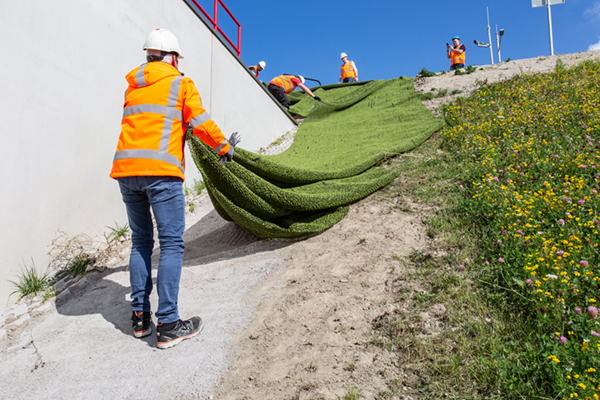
{"points": [[331, 163]]}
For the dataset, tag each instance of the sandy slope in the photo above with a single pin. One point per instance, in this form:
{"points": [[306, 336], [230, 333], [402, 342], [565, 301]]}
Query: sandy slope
{"points": [[285, 319]]}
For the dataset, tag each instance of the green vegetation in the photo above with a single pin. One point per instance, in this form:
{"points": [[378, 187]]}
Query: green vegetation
{"points": [[425, 73], [465, 71], [116, 233], [307, 188], [352, 394], [431, 95], [528, 151], [31, 283]]}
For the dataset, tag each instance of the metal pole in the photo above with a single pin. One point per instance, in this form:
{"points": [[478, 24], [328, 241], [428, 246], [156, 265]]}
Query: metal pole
{"points": [[498, 45], [490, 36], [550, 29]]}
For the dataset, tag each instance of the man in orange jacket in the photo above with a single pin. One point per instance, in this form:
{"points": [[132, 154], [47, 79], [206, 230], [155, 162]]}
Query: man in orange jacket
{"points": [[282, 85], [456, 54], [348, 70], [149, 165]]}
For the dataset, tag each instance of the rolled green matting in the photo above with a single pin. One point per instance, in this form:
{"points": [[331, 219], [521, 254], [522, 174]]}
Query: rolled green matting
{"points": [[331, 163]]}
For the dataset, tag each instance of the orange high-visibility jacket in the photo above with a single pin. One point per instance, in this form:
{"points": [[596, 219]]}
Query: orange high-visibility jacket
{"points": [[285, 81], [159, 105], [254, 68], [348, 70], [456, 58]]}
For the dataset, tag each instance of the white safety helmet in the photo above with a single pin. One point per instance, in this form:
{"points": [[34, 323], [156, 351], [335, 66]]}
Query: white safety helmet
{"points": [[262, 64], [163, 40], [343, 55], [301, 78]]}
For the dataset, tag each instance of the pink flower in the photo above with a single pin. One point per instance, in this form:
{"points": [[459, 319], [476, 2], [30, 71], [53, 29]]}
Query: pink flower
{"points": [[592, 312], [562, 340], [560, 252], [529, 281], [561, 221], [500, 260], [581, 202], [594, 333], [596, 222], [461, 268], [583, 263], [487, 263], [577, 310]]}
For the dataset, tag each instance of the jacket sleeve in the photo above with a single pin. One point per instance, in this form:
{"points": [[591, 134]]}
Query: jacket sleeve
{"points": [[196, 116]]}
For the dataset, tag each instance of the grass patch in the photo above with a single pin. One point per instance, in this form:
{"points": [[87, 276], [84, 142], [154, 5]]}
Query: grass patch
{"points": [[463, 360], [116, 233], [30, 282]]}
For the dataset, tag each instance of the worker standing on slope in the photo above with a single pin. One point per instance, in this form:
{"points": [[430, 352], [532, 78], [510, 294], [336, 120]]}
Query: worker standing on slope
{"points": [[257, 68], [456, 54], [149, 165], [283, 84], [349, 72]]}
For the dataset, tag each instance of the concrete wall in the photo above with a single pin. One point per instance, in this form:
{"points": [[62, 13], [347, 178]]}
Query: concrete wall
{"points": [[63, 65]]}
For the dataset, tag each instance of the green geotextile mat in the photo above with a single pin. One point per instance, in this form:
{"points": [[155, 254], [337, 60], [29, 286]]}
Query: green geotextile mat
{"points": [[307, 188]]}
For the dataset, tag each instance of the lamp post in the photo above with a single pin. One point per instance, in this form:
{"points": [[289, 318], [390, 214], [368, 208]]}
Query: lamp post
{"points": [[489, 44], [499, 41]]}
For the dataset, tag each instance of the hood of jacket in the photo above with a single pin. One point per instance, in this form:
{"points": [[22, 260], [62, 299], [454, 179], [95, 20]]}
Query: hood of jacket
{"points": [[153, 72]]}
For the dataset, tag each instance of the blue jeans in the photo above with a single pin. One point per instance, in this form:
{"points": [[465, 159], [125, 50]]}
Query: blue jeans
{"points": [[164, 195], [347, 80]]}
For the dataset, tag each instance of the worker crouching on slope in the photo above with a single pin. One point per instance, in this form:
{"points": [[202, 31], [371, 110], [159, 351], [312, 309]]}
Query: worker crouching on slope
{"points": [[349, 72], [257, 68], [284, 84], [149, 165]]}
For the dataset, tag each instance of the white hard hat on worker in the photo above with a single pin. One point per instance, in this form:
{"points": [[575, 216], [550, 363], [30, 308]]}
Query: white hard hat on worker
{"points": [[163, 40]]}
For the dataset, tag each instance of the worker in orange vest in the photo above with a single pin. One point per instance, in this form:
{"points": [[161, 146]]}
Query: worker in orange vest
{"points": [[160, 105], [257, 68], [456, 54], [281, 85], [349, 72]]}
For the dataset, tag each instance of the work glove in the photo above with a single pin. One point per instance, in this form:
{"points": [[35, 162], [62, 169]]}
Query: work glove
{"points": [[317, 98], [234, 139]]}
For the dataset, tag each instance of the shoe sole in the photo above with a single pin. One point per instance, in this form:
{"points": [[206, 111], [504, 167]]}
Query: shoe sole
{"points": [[142, 334], [166, 345]]}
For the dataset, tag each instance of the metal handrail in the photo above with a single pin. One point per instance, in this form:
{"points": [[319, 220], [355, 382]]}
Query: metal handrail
{"points": [[214, 22]]}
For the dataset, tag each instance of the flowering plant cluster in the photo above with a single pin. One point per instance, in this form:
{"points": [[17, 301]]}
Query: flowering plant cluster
{"points": [[530, 148]]}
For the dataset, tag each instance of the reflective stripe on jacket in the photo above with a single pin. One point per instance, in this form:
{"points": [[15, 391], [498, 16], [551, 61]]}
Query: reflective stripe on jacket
{"points": [[348, 70], [285, 81], [254, 68], [456, 58], [159, 106]]}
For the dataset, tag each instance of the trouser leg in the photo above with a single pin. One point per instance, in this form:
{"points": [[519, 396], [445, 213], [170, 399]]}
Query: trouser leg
{"points": [[168, 206], [142, 232]]}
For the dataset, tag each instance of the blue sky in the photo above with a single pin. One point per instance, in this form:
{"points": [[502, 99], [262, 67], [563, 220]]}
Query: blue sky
{"points": [[390, 38]]}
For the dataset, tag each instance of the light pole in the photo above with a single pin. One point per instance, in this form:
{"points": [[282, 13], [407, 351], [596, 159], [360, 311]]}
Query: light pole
{"points": [[499, 41], [489, 44], [547, 4]]}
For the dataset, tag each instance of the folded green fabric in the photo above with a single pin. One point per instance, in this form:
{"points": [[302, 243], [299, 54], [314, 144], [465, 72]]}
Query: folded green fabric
{"points": [[330, 164]]}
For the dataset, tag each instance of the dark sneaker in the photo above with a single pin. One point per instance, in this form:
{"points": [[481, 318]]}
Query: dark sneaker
{"points": [[168, 335], [141, 321]]}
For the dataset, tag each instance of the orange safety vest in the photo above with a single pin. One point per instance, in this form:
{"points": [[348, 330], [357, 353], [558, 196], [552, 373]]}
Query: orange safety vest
{"points": [[285, 81], [160, 104], [348, 71], [456, 58], [254, 68]]}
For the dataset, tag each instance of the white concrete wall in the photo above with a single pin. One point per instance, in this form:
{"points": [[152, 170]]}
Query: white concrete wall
{"points": [[63, 67]]}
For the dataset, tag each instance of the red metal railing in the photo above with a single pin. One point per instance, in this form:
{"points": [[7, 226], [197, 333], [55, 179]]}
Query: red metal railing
{"points": [[214, 21]]}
